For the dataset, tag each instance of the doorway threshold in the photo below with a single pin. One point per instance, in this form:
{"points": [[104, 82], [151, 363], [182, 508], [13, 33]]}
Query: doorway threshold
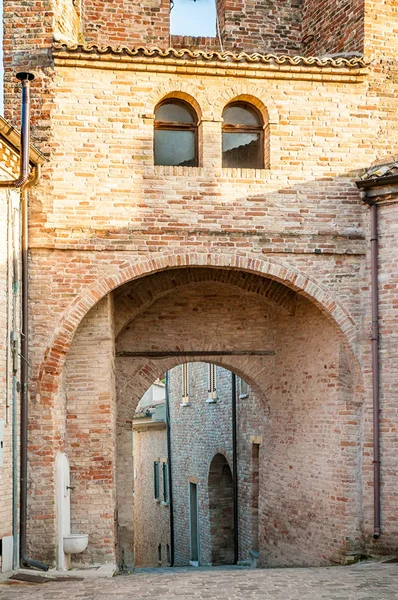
{"points": [[194, 563]]}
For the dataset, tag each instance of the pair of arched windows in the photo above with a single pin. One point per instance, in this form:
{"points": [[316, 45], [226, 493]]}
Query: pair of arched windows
{"points": [[176, 135]]}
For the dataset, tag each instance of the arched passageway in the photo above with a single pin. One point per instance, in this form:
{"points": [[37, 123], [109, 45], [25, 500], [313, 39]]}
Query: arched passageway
{"points": [[305, 392], [221, 509]]}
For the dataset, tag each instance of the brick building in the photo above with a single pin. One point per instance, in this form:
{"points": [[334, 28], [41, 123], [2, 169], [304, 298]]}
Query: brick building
{"points": [[200, 492], [202, 466], [256, 254], [151, 507]]}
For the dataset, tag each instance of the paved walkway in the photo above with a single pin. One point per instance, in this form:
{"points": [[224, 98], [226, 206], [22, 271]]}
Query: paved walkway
{"points": [[360, 582]]}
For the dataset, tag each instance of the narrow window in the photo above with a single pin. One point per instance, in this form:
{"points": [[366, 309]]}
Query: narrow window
{"points": [[242, 137], [176, 134], [165, 471], [156, 479], [212, 383], [160, 554], [185, 384]]}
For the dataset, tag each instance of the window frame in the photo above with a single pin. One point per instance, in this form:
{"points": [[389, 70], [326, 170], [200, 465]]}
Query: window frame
{"points": [[156, 480], [178, 126], [212, 376], [236, 128], [165, 481], [185, 384], [244, 388]]}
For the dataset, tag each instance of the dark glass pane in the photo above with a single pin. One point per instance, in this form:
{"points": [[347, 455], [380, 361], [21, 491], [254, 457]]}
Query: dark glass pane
{"points": [[241, 150], [174, 112], [240, 115], [174, 148]]}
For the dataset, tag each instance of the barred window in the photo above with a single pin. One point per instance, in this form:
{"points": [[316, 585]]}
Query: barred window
{"points": [[242, 137], [185, 383], [212, 383], [176, 134]]}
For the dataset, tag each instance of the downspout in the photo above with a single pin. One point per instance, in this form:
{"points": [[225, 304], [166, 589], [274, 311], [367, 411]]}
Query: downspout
{"points": [[171, 514], [374, 250], [23, 182], [235, 469]]}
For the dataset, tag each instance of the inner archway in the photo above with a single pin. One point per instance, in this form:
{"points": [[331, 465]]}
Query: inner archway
{"points": [[221, 508]]}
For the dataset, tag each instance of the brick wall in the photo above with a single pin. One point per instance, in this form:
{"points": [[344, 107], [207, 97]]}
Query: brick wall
{"points": [[127, 23], [333, 26], [267, 26], [104, 214], [211, 433], [90, 434], [151, 516]]}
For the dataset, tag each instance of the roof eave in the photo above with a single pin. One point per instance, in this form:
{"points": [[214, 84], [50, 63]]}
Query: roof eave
{"points": [[13, 137]]}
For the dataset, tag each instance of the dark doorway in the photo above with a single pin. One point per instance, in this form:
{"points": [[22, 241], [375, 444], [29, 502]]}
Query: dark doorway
{"points": [[193, 512], [221, 507]]}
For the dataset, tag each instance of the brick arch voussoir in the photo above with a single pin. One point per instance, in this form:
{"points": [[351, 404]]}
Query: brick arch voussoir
{"points": [[249, 93], [52, 364], [182, 90]]}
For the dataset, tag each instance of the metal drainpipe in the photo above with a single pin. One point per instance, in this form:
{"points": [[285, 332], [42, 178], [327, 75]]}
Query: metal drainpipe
{"points": [[235, 469], [374, 284], [375, 367], [15, 365], [23, 182], [171, 514]]}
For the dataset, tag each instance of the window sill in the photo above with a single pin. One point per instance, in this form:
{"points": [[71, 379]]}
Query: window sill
{"points": [[185, 404], [237, 173], [166, 504], [211, 401], [243, 396], [183, 171], [157, 500]]}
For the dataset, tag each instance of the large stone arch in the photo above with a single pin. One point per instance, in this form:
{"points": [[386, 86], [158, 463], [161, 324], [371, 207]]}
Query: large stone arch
{"points": [[51, 366]]}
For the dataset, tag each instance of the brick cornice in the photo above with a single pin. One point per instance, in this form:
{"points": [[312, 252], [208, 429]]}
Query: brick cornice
{"points": [[265, 66]]}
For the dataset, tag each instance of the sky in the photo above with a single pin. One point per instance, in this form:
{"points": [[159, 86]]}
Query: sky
{"points": [[193, 18]]}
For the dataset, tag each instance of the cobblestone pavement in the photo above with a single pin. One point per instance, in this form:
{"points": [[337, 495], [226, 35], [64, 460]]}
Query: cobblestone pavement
{"points": [[361, 582]]}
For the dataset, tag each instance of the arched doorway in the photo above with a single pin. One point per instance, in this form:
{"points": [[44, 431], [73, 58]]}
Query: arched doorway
{"points": [[221, 509], [294, 357]]}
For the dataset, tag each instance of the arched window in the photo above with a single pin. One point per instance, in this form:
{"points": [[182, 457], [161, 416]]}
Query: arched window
{"points": [[176, 134], [242, 137]]}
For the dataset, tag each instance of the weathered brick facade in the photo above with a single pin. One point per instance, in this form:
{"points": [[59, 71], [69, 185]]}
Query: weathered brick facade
{"points": [[196, 457], [151, 515], [178, 258]]}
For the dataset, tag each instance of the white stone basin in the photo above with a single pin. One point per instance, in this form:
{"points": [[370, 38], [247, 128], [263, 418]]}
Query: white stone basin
{"points": [[74, 543]]}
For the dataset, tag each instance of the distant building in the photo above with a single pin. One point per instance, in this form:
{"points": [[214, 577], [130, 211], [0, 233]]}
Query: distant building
{"points": [[151, 506], [202, 455]]}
